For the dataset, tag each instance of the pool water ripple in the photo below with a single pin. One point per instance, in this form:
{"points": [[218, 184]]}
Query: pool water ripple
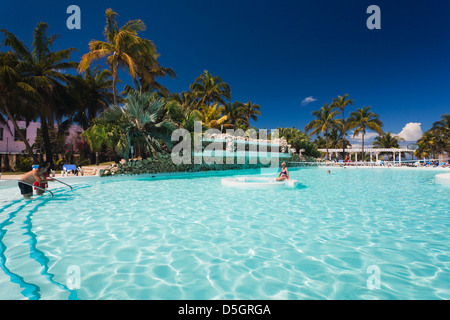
{"points": [[192, 238]]}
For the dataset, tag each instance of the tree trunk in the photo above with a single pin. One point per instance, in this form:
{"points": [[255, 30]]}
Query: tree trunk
{"points": [[24, 139], [47, 143], [344, 127], [115, 76], [326, 140], [363, 146], [114, 90]]}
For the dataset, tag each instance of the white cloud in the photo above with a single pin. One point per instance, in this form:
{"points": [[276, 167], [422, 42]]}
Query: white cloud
{"points": [[411, 131], [308, 100]]}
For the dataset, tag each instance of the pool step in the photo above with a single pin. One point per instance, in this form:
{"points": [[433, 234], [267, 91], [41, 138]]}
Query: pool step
{"points": [[21, 262]]}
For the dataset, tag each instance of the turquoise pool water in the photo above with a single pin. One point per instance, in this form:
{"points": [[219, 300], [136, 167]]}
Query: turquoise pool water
{"points": [[192, 238]]}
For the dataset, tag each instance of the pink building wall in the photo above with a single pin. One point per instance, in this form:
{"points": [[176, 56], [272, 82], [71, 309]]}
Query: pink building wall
{"points": [[8, 145]]}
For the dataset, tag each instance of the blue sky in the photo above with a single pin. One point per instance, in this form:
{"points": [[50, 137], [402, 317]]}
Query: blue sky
{"points": [[277, 53]]}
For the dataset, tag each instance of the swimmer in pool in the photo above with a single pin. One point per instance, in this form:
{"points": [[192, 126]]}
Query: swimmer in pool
{"points": [[31, 177]]}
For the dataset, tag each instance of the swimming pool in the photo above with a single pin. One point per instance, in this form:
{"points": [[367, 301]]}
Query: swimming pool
{"points": [[351, 234]]}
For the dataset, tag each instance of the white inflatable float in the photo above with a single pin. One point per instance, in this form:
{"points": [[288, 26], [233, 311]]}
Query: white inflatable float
{"points": [[258, 182]]}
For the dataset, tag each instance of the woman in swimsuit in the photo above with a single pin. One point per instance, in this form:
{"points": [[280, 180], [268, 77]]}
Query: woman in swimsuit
{"points": [[284, 174]]}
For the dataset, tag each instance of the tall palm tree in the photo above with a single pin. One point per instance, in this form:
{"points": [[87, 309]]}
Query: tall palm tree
{"points": [[44, 72], [324, 121], [147, 72], [121, 48], [364, 119], [14, 93], [341, 102], [251, 111], [208, 89]]}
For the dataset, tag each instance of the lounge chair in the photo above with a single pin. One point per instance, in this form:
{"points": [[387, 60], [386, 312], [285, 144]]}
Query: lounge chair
{"points": [[69, 168]]}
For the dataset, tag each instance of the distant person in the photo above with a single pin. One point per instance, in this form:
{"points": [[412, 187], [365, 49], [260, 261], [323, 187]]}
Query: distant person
{"points": [[284, 174], [35, 175]]}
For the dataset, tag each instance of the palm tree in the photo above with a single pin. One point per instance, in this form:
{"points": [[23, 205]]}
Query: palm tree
{"points": [[250, 111], [299, 140], [336, 137], [324, 121], [181, 116], [104, 135], [14, 91], [184, 99], [212, 116], [93, 94], [122, 48], [427, 145], [341, 102], [208, 89], [362, 120], [235, 113], [387, 140], [148, 69], [142, 122], [43, 69], [442, 129]]}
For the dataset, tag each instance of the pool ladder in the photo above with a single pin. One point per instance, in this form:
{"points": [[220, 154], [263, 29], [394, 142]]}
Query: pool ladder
{"points": [[45, 190]]}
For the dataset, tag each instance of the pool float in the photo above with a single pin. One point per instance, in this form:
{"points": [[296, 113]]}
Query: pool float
{"points": [[258, 182]]}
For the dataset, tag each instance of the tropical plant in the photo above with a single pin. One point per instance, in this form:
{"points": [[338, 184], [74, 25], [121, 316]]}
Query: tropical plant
{"points": [[14, 91], [386, 141], [122, 48], [300, 141], [324, 121], [44, 73], [142, 123], [146, 75], [309, 148], [102, 135], [428, 145], [364, 119], [212, 117], [442, 129], [250, 111], [235, 114], [184, 99], [320, 142], [208, 89], [342, 102], [183, 118], [336, 138], [93, 94]]}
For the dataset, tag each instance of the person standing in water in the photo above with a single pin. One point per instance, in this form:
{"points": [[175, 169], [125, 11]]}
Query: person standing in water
{"points": [[284, 174], [31, 177]]}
